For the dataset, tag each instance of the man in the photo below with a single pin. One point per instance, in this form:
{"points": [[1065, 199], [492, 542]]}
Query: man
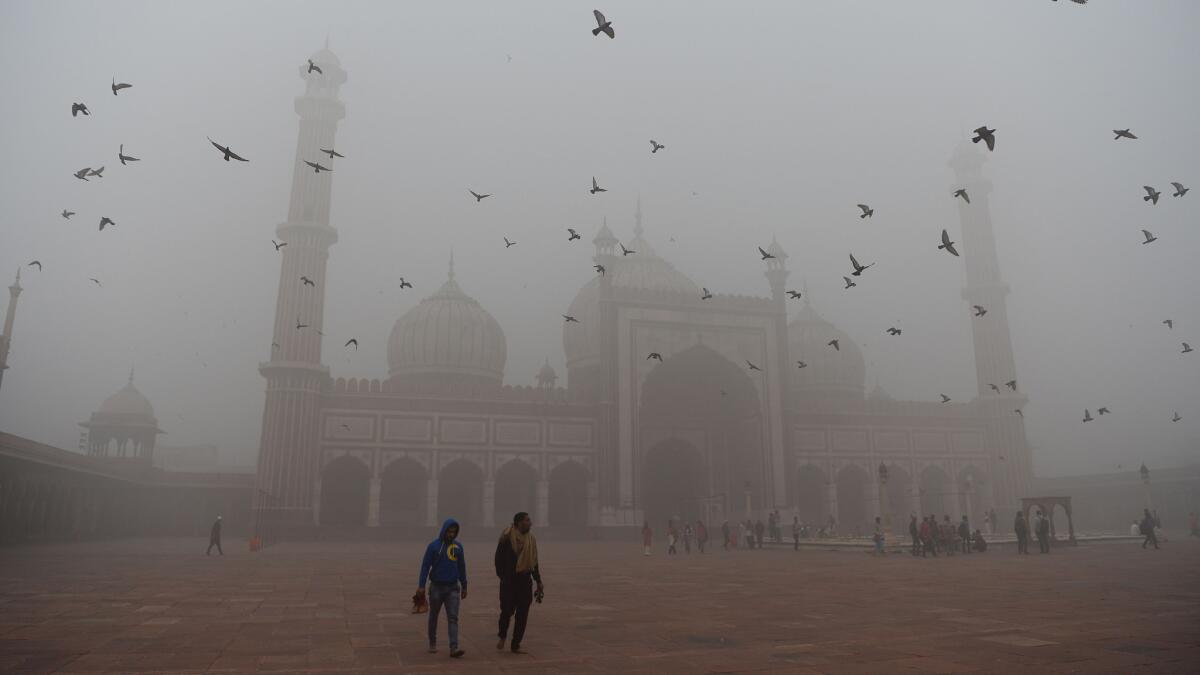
{"points": [[877, 537], [749, 534], [701, 535], [214, 537], [1021, 528], [914, 531], [964, 535], [725, 534], [926, 534], [1148, 530], [795, 533], [647, 537], [444, 565], [949, 534], [1042, 530], [758, 532], [687, 537], [517, 567]]}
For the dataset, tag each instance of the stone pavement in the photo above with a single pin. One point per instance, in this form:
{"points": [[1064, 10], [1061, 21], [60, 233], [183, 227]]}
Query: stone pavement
{"points": [[146, 606]]}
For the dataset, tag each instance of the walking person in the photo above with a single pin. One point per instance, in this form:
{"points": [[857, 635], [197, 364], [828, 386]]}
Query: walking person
{"points": [[964, 535], [877, 537], [214, 537], [701, 535], [1042, 530], [795, 533], [758, 532], [914, 531], [672, 536], [1148, 530], [725, 534], [517, 568], [444, 565], [926, 533], [687, 538], [749, 534], [1021, 528], [647, 537]]}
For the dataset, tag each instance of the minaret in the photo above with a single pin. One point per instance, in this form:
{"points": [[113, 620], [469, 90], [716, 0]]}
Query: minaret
{"points": [[994, 363], [14, 292], [287, 456]]}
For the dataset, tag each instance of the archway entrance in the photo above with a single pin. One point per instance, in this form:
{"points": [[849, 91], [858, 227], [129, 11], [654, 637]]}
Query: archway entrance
{"points": [[569, 496], [673, 483], [811, 496], [516, 490], [402, 493], [460, 493], [935, 489], [344, 491], [853, 494]]}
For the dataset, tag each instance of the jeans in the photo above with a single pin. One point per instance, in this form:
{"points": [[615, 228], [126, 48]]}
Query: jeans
{"points": [[448, 595]]}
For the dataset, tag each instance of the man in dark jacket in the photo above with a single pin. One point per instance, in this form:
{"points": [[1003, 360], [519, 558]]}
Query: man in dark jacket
{"points": [[214, 537], [1147, 528], [1021, 528], [517, 568], [445, 566], [964, 535], [1042, 530]]}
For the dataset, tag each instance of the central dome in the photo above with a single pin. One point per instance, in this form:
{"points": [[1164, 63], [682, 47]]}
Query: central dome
{"points": [[831, 373], [127, 401], [448, 337]]}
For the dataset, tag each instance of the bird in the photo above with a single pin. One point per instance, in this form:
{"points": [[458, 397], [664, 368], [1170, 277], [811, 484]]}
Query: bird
{"points": [[962, 192], [1123, 133], [98, 173], [332, 153], [596, 187], [979, 310], [346, 427], [602, 25], [1149, 237], [124, 157], [994, 387], [1019, 412], [987, 136], [569, 319], [278, 244], [1151, 194], [1169, 323], [801, 364], [226, 151], [274, 345], [1186, 347], [77, 108], [1180, 190], [105, 220], [849, 284], [404, 284], [752, 366], [706, 295], [96, 281], [655, 146], [119, 86], [894, 331], [508, 244], [948, 245], [38, 263], [1102, 411], [599, 268], [307, 282], [764, 254], [573, 235], [867, 211], [945, 398], [352, 341], [478, 197], [625, 251], [67, 214], [793, 294], [858, 269], [317, 168], [1011, 384], [1176, 418], [1087, 415], [654, 355], [835, 344], [312, 66], [300, 325], [83, 173]]}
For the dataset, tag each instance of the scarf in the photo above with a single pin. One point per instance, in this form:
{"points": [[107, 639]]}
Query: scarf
{"points": [[524, 545]]}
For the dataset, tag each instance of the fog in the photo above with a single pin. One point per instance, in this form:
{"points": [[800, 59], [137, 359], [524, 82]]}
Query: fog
{"points": [[777, 119]]}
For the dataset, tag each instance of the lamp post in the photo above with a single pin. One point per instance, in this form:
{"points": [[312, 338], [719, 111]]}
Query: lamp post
{"points": [[1146, 485], [883, 500]]}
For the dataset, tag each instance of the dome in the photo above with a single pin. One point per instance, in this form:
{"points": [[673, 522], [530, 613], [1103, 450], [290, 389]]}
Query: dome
{"points": [[830, 372], [324, 56], [449, 336], [128, 401]]}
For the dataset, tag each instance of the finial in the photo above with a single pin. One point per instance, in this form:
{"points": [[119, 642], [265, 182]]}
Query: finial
{"points": [[18, 282], [637, 217], [451, 275]]}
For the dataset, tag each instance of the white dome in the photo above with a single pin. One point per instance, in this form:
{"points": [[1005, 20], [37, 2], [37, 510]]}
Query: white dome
{"points": [[127, 401]]}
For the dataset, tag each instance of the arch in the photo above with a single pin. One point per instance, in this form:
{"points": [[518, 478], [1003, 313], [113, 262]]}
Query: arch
{"points": [[854, 500], [935, 489], [344, 492], [899, 494], [516, 490], [460, 493], [402, 489], [569, 495], [812, 488], [674, 482]]}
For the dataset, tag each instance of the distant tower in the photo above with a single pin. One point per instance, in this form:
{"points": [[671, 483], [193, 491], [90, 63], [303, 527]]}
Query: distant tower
{"points": [[1012, 463], [287, 456], [14, 292]]}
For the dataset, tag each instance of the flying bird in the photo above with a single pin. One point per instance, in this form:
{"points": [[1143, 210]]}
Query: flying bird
{"points": [[654, 355], [226, 151], [849, 283], [602, 25], [987, 136], [35, 262], [1102, 411], [979, 310], [317, 168], [625, 251], [867, 211], [1011, 384], [98, 173], [404, 284], [300, 325], [894, 331], [599, 268], [1087, 415], [752, 366], [312, 66], [77, 108], [82, 174], [1123, 133], [1176, 418], [994, 387], [764, 254], [1151, 194], [346, 427], [1019, 412], [962, 192], [278, 245], [307, 282], [508, 244], [834, 343], [67, 214], [478, 197], [706, 295], [1180, 190], [794, 295], [573, 235], [332, 153], [1149, 237], [948, 245], [105, 220], [1169, 323], [596, 187], [96, 281], [945, 398], [858, 269], [124, 157], [119, 86], [801, 364], [569, 319], [1186, 347], [655, 146], [351, 341]]}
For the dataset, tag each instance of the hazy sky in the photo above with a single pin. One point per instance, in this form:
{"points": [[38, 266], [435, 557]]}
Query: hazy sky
{"points": [[781, 116]]}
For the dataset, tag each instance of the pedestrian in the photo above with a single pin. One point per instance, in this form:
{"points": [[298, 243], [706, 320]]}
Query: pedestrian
{"points": [[758, 532], [749, 534], [949, 536], [672, 536], [795, 533], [214, 537], [517, 567], [1194, 524], [444, 565], [914, 531], [687, 538], [878, 537], [1021, 528], [964, 534], [1042, 530], [1148, 530], [725, 535], [647, 537], [926, 533], [701, 535]]}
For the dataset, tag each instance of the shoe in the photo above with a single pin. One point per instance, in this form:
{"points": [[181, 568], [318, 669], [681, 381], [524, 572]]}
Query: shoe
{"points": [[432, 649], [516, 649], [500, 644], [456, 653]]}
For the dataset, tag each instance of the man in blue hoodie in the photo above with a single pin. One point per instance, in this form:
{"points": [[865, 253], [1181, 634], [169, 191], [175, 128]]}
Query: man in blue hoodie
{"points": [[445, 566]]}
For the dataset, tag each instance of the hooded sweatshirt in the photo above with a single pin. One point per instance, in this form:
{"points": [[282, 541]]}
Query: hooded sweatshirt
{"points": [[444, 563]]}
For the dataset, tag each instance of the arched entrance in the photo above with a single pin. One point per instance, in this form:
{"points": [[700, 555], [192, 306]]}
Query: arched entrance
{"points": [[812, 502], [935, 492], [853, 494], [460, 493], [569, 496], [402, 493], [344, 491], [674, 483], [516, 490]]}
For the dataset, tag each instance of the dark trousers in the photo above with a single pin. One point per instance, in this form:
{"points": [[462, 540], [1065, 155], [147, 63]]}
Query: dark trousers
{"points": [[1022, 544], [211, 544], [516, 594], [1150, 539], [1043, 544], [916, 546]]}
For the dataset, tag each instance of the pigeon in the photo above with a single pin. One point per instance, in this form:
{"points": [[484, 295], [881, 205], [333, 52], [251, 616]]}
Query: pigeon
{"points": [[948, 245], [625, 251], [1180, 190], [1169, 323], [596, 187], [602, 25], [573, 234], [274, 345], [979, 310], [801, 364], [105, 220], [834, 343], [317, 168], [849, 284], [332, 153], [654, 355], [404, 284], [346, 427], [962, 192], [478, 197], [83, 173], [1149, 237], [119, 86], [67, 214], [1019, 412], [312, 66], [858, 269], [278, 245], [1186, 347], [307, 282], [1102, 411], [77, 108], [1087, 415], [1151, 194], [124, 157], [96, 281], [987, 136], [300, 325], [227, 152], [35, 262], [894, 331], [98, 173], [867, 211], [599, 268], [1123, 133], [794, 295], [1011, 384], [945, 398], [1176, 418], [764, 254], [351, 341], [706, 295], [752, 366], [569, 319], [655, 146], [509, 244], [994, 387]]}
